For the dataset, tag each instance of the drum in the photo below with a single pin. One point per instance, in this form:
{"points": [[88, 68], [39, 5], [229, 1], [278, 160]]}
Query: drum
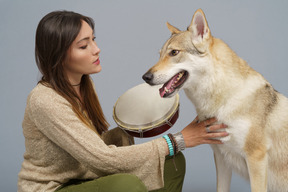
{"points": [[141, 112]]}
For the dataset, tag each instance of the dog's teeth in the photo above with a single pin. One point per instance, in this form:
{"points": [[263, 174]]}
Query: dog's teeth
{"points": [[166, 90], [179, 76]]}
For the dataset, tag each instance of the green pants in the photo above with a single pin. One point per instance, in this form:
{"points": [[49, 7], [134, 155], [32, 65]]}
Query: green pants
{"points": [[173, 180]]}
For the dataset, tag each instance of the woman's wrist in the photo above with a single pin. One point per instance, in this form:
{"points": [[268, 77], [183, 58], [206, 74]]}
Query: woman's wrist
{"points": [[175, 143], [179, 140]]}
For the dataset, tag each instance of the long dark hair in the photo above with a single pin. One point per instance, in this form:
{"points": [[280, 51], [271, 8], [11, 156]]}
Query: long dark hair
{"points": [[54, 35]]}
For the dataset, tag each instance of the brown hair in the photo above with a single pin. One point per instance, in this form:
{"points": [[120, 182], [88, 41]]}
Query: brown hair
{"points": [[54, 35]]}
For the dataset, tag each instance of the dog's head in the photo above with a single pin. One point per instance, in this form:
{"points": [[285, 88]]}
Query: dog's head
{"points": [[183, 57]]}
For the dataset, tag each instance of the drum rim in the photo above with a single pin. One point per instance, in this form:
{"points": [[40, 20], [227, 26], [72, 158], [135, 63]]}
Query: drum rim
{"points": [[146, 127]]}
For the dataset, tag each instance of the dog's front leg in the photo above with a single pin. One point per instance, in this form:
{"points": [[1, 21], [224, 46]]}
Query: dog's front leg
{"points": [[224, 173], [257, 166]]}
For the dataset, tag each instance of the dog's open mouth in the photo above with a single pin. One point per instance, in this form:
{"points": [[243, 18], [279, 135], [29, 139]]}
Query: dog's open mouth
{"points": [[173, 84]]}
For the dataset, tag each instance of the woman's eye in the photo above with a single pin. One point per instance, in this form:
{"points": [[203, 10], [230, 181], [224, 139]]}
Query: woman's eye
{"points": [[83, 47], [174, 52]]}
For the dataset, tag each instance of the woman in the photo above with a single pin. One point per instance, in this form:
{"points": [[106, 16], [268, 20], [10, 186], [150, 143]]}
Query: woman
{"points": [[64, 126]]}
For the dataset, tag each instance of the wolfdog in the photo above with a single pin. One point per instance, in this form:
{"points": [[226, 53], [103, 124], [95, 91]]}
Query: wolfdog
{"points": [[220, 84]]}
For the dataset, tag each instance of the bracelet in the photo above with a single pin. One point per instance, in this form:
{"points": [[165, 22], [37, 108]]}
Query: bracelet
{"points": [[179, 141], [174, 144], [170, 146]]}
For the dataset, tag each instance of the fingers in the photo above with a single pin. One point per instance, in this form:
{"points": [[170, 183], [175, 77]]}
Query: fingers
{"points": [[215, 131], [208, 122], [217, 127], [208, 125], [204, 132], [216, 134]]}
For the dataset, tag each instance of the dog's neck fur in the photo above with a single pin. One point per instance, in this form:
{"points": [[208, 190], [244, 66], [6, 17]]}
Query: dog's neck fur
{"points": [[210, 95]]}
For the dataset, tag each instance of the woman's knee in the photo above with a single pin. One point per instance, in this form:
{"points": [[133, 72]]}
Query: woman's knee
{"points": [[181, 161], [128, 182], [177, 163]]}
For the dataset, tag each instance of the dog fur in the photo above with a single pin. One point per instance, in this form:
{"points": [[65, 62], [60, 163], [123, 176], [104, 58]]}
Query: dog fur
{"points": [[221, 84]]}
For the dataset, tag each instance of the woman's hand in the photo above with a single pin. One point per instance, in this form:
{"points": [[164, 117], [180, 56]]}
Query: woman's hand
{"points": [[196, 132]]}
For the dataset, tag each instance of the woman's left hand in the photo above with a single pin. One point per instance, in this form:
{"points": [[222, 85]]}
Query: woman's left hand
{"points": [[204, 132]]}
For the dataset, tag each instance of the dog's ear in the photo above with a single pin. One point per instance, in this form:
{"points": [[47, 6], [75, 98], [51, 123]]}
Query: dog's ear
{"points": [[172, 29], [201, 34]]}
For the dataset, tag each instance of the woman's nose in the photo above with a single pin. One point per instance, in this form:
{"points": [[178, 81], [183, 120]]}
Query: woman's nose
{"points": [[95, 50]]}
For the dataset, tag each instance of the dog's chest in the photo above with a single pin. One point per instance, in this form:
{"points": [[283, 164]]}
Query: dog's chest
{"points": [[238, 131], [232, 150], [235, 142]]}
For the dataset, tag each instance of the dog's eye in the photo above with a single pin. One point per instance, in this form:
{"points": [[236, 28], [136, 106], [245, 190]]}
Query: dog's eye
{"points": [[174, 52]]}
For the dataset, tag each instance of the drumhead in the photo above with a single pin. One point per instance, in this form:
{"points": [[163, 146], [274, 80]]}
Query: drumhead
{"points": [[141, 107]]}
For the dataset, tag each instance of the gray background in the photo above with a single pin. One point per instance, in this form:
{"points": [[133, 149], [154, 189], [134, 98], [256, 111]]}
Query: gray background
{"points": [[130, 34]]}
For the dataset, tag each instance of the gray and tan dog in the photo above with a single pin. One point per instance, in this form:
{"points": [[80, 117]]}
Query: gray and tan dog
{"points": [[221, 84]]}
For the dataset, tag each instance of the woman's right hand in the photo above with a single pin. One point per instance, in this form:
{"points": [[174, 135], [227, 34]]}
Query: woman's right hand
{"points": [[196, 133]]}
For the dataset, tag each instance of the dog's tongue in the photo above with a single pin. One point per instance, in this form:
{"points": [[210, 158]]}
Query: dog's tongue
{"points": [[167, 86]]}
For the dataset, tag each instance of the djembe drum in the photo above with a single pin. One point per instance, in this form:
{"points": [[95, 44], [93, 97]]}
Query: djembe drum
{"points": [[141, 112]]}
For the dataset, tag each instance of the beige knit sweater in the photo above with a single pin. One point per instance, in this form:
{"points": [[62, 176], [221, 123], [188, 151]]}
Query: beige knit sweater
{"points": [[59, 147]]}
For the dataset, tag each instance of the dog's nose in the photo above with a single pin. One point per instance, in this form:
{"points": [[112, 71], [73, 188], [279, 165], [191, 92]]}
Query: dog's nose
{"points": [[147, 77]]}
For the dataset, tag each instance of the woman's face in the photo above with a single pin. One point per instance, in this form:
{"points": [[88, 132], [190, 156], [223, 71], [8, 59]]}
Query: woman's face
{"points": [[82, 56]]}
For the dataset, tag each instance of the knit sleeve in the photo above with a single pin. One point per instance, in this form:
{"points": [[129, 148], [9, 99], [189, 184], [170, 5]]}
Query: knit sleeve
{"points": [[54, 117]]}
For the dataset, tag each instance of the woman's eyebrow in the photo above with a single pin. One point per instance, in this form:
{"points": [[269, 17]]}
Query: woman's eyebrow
{"points": [[84, 39]]}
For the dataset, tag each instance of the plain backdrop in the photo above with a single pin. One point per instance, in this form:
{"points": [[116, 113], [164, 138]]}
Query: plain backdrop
{"points": [[130, 34]]}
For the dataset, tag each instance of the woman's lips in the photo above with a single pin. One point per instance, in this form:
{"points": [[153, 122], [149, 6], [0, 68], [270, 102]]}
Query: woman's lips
{"points": [[97, 62]]}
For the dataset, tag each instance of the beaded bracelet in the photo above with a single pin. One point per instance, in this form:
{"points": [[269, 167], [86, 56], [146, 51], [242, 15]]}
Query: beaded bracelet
{"points": [[170, 146]]}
